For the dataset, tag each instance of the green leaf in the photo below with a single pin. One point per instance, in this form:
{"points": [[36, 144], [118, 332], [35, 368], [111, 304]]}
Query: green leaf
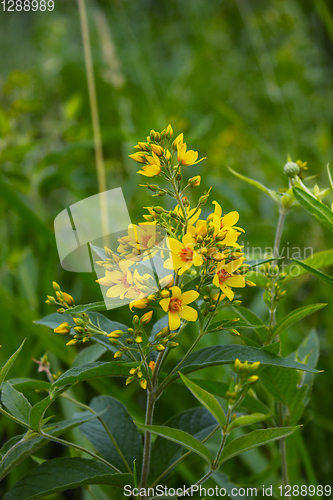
{"points": [[317, 260], [315, 272], [62, 474], [15, 402], [183, 438], [54, 320], [308, 352], [89, 355], [97, 306], [257, 185], [220, 389], [37, 413], [4, 370], [252, 319], [94, 370], [295, 316], [29, 383], [196, 421], [125, 445], [247, 420], [226, 354], [17, 449], [254, 439], [206, 399], [315, 207]]}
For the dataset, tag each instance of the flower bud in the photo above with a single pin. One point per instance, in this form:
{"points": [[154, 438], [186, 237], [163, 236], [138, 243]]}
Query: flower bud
{"points": [[63, 328], [143, 383], [172, 344], [169, 132], [152, 365], [138, 339], [56, 287], [146, 318], [132, 371], [129, 380], [160, 347], [118, 354], [153, 187], [115, 334], [51, 299], [72, 342], [234, 332], [135, 319], [252, 380], [69, 299], [159, 210], [249, 283], [194, 181], [291, 169]]}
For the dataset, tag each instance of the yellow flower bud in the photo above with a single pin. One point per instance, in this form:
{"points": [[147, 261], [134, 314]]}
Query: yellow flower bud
{"points": [[152, 365], [138, 157], [63, 328], [143, 383], [234, 332], [252, 380], [129, 380], [115, 334], [169, 132], [194, 181], [165, 293], [139, 304], [146, 318], [160, 347], [132, 371], [56, 287], [237, 365], [118, 354], [69, 299], [72, 342], [138, 339]]}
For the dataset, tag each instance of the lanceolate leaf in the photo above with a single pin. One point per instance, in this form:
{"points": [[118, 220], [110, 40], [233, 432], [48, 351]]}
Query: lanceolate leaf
{"points": [[247, 420], [254, 439], [121, 445], [37, 412], [62, 474], [315, 261], [315, 207], [4, 370], [180, 437], [17, 449], [257, 185], [97, 306], [315, 272], [16, 403], [295, 316], [206, 399], [94, 370], [220, 389], [226, 354]]}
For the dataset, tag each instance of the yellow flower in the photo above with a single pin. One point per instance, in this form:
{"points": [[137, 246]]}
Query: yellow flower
{"points": [[184, 157], [177, 308], [183, 254], [124, 283], [225, 279], [146, 318], [152, 167]]}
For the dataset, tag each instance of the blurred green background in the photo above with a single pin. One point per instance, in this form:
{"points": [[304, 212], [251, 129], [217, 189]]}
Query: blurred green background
{"points": [[248, 82]]}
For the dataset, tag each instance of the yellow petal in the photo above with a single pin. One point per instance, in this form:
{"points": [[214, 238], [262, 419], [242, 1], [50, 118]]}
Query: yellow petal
{"points": [[176, 291], [188, 313], [175, 245], [188, 297], [230, 219], [227, 290], [236, 281], [174, 321], [188, 240], [164, 303], [218, 209], [234, 264]]}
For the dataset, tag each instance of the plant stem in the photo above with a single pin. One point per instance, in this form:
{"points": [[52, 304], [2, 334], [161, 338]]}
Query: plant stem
{"points": [[272, 323], [164, 384], [151, 399]]}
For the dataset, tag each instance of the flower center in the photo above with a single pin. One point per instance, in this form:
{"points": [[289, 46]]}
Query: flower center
{"points": [[175, 305], [223, 275], [186, 254], [145, 240], [124, 282]]}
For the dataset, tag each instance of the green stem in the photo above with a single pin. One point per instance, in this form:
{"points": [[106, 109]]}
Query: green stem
{"points": [[151, 399]]}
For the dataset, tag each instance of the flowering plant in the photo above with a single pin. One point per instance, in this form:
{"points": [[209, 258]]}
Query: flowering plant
{"points": [[181, 266]]}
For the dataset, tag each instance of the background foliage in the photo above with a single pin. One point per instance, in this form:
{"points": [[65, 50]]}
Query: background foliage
{"points": [[248, 82]]}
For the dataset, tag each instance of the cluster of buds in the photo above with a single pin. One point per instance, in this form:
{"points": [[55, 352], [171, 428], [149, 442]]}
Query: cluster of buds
{"points": [[273, 293], [245, 378], [136, 374], [164, 339], [62, 299]]}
